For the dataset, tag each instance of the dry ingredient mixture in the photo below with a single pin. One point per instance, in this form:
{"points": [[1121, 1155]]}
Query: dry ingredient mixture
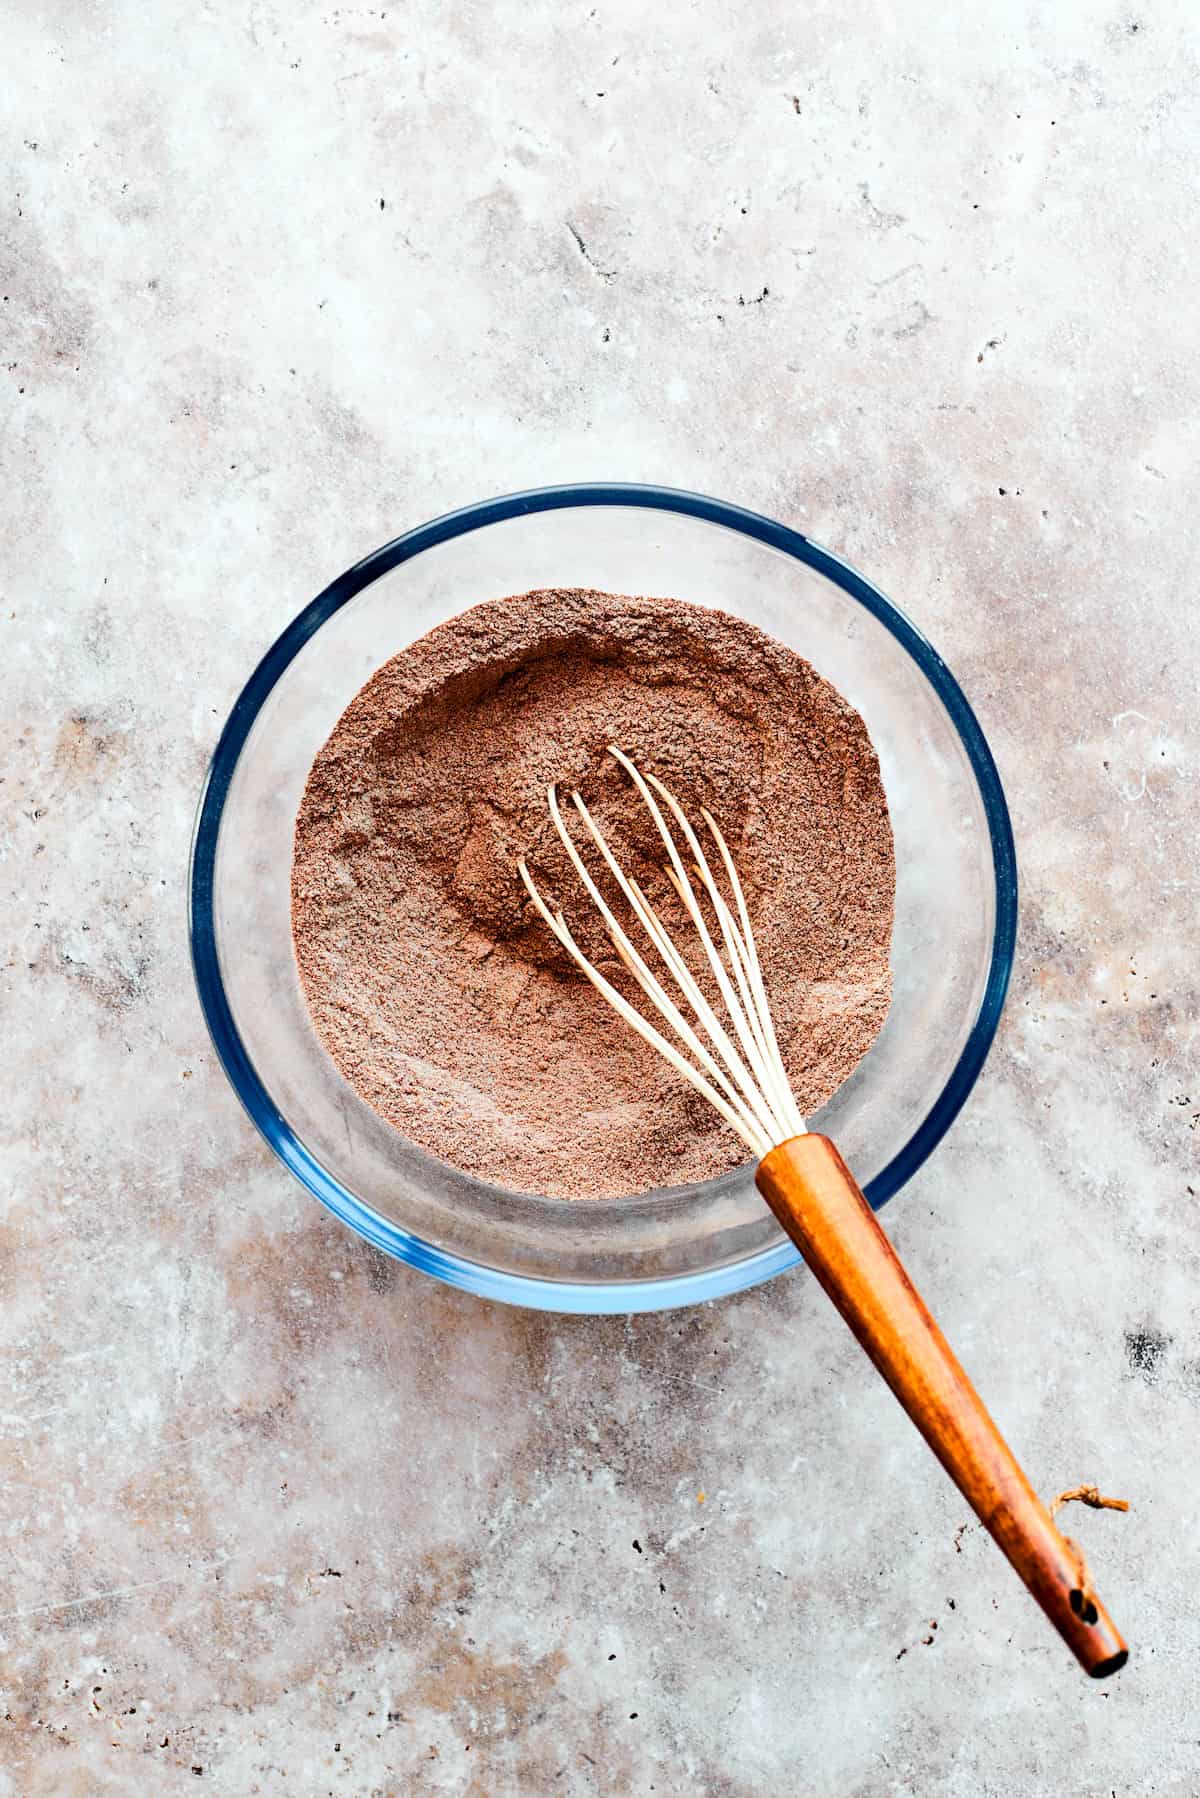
{"points": [[438, 991]]}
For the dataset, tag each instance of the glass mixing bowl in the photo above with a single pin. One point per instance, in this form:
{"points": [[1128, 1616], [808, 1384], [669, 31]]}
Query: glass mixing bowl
{"points": [[955, 894]]}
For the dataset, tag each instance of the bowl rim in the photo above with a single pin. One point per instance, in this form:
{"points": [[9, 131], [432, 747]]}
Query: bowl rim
{"points": [[493, 1283]]}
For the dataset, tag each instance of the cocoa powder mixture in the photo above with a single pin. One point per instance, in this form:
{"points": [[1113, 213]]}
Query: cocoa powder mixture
{"points": [[437, 990]]}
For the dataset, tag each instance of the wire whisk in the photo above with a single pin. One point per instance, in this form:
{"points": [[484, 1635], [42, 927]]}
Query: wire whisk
{"points": [[728, 1051]]}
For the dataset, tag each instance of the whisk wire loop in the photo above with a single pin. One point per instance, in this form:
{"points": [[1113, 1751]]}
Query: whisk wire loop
{"points": [[743, 1079]]}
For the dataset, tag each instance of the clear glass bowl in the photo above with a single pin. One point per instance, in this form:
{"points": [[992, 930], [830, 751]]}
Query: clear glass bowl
{"points": [[955, 899]]}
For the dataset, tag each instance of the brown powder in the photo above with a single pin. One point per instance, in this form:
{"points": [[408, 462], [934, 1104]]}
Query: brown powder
{"points": [[435, 987]]}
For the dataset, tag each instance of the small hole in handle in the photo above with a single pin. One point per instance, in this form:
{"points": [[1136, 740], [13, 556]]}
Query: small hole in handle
{"points": [[1083, 1606]]}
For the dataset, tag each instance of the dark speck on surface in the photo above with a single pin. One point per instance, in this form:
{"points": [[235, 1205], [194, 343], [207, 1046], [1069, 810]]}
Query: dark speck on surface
{"points": [[1144, 1351]]}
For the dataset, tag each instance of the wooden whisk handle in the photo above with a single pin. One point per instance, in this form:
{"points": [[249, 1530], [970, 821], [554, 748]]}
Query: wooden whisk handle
{"points": [[817, 1200]]}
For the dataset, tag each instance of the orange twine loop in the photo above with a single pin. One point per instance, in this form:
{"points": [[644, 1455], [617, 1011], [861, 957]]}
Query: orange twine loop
{"points": [[1092, 1496]]}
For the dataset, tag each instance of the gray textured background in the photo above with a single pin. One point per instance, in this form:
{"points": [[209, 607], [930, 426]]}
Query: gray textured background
{"points": [[281, 281]]}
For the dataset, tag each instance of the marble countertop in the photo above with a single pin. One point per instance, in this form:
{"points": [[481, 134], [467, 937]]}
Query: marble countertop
{"points": [[280, 1516]]}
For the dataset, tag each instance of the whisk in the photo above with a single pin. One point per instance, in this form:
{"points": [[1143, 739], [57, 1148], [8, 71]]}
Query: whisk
{"points": [[728, 1051]]}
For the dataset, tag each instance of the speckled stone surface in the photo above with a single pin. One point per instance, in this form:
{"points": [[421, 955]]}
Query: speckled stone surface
{"points": [[278, 1516]]}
